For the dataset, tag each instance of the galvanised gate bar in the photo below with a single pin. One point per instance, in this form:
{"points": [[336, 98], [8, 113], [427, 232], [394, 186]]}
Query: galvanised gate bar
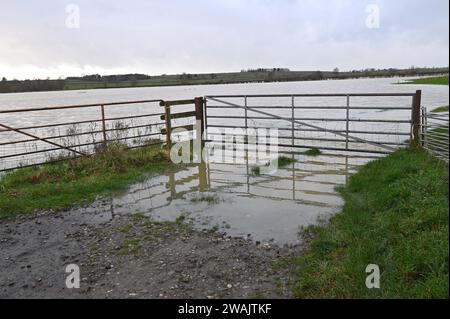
{"points": [[338, 125]]}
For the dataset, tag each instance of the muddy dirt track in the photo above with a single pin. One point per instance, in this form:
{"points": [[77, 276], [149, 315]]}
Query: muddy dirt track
{"points": [[133, 257]]}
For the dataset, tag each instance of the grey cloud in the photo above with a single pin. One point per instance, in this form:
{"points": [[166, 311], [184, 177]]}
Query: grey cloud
{"points": [[222, 35]]}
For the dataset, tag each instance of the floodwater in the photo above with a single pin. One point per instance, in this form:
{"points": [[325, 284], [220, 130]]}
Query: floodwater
{"points": [[229, 197], [433, 96], [266, 208]]}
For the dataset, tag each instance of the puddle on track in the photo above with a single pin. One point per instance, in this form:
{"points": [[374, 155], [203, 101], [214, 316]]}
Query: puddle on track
{"points": [[266, 208]]}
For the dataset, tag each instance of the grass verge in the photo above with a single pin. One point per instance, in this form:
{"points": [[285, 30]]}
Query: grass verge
{"points": [[61, 185], [441, 109], [395, 216], [440, 80]]}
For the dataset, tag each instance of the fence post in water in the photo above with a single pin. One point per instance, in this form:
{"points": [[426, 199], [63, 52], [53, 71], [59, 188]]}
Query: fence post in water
{"points": [[199, 118], [105, 139], [415, 119]]}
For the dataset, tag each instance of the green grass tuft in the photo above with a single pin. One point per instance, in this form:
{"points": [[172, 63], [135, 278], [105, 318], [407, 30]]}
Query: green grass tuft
{"points": [[256, 170], [395, 216], [441, 109], [441, 80], [284, 161], [313, 152], [204, 198], [280, 162]]}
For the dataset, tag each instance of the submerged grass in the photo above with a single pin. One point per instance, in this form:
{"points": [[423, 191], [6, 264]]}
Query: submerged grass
{"points": [[395, 216], [313, 152], [61, 185], [206, 198], [280, 162], [284, 161]]}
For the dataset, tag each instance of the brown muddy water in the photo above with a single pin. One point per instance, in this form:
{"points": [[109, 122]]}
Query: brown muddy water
{"points": [[230, 198]]}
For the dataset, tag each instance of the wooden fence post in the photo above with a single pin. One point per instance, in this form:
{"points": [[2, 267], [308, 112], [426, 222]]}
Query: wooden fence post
{"points": [[199, 118], [168, 121], [415, 119]]}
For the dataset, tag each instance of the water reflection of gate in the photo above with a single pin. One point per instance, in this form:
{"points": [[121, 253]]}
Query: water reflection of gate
{"points": [[201, 176], [310, 182]]}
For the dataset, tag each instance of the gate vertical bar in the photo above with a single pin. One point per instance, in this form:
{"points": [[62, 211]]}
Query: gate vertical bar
{"points": [[247, 141], [293, 123], [415, 119], [293, 175], [423, 137], [293, 147], [347, 126]]}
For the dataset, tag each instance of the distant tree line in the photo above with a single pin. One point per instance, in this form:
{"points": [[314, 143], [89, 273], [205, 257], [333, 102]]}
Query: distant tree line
{"points": [[16, 86], [245, 76], [267, 70], [110, 78], [392, 72]]}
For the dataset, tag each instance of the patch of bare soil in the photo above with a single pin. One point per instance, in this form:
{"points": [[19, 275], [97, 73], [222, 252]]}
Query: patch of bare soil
{"points": [[134, 257]]}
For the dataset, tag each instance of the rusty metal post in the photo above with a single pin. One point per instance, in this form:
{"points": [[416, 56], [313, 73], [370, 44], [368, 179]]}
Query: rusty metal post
{"points": [[415, 119], [200, 118], [105, 139], [246, 139]]}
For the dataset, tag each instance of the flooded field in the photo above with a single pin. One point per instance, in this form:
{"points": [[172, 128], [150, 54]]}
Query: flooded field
{"points": [[145, 128]]}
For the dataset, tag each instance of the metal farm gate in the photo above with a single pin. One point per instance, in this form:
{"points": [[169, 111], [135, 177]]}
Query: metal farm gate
{"points": [[369, 124], [435, 134]]}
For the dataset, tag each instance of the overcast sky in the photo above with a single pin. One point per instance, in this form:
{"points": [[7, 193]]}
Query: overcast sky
{"points": [[42, 38]]}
